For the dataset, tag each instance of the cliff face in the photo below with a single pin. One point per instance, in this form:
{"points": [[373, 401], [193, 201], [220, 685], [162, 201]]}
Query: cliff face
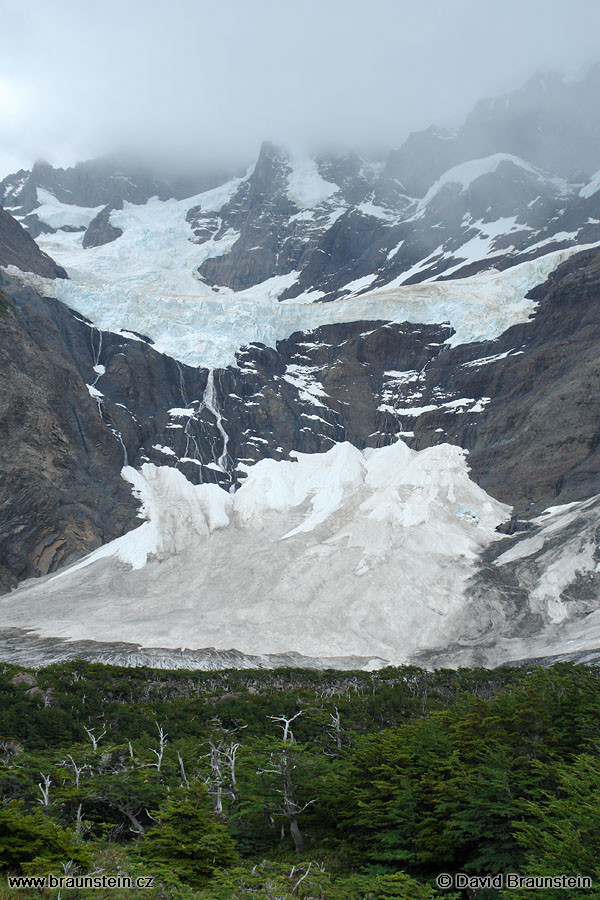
{"points": [[18, 248], [60, 492]]}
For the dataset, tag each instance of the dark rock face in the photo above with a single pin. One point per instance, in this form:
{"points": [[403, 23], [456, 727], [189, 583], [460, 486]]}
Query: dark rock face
{"points": [[277, 235], [100, 231], [536, 443], [60, 492], [17, 248]]}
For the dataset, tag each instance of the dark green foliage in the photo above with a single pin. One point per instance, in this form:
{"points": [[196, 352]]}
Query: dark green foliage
{"points": [[561, 833], [188, 841], [32, 838], [270, 880], [391, 777]]}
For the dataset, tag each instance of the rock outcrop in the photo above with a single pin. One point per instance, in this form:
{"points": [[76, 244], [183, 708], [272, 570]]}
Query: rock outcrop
{"points": [[17, 248], [100, 230], [60, 491]]}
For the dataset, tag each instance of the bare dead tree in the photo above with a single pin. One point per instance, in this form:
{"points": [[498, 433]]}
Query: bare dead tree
{"points": [[44, 786], [215, 779], [162, 742], [284, 723], [229, 755], [289, 808], [335, 723], [284, 766], [222, 762], [95, 740], [77, 770]]}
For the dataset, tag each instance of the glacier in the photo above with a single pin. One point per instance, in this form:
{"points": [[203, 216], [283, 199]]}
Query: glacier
{"points": [[346, 555], [341, 553], [147, 282]]}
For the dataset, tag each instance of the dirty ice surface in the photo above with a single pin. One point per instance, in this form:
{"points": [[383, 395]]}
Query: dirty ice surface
{"points": [[345, 552]]}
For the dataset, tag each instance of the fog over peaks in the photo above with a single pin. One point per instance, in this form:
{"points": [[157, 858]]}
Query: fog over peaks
{"points": [[193, 82]]}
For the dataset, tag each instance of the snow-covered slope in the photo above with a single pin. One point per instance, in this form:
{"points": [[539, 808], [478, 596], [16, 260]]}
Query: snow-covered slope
{"points": [[534, 595], [466, 173], [58, 215], [334, 554]]}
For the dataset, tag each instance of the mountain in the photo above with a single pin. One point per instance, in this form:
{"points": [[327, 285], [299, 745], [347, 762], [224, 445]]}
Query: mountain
{"points": [[331, 407], [551, 122], [88, 188]]}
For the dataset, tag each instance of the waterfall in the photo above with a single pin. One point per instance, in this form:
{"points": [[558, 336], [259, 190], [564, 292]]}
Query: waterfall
{"points": [[210, 403]]}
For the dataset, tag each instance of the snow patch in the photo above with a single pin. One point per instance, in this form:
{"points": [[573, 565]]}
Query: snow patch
{"points": [[589, 189], [466, 173], [302, 378], [306, 187], [57, 214]]}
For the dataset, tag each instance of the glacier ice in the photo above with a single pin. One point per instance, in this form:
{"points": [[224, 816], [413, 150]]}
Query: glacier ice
{"points": [[337, 553]]}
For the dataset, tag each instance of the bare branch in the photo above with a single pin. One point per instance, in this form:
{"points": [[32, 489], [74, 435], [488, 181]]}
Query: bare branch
{"points": [[95, 740], [182, 770], [44, 790], [284, 723], [301, 879], [162, 742]]}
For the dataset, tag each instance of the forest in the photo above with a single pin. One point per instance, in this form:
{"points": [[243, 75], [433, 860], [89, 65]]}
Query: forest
{"points": [[292, 784]]}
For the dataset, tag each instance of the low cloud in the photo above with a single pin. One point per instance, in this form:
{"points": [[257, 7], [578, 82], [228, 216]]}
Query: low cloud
{"points": [[193, 82]]}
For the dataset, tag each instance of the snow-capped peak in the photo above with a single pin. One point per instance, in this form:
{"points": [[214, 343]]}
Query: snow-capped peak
{"points": [[466, 173]]}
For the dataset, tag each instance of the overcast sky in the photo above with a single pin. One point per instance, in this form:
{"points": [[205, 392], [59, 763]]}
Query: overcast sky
{"points": [[207, 80]]}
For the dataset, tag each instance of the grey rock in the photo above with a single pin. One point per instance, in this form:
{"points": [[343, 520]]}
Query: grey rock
{"points": [[100, 231], [17, 248]]}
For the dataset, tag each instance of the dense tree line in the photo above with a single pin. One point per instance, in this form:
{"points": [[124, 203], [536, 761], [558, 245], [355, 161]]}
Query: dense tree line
{"points": [[300, 784]]}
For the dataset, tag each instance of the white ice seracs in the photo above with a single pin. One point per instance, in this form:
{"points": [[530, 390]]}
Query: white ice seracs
{"points": [[338, 553], [142, 286]]}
